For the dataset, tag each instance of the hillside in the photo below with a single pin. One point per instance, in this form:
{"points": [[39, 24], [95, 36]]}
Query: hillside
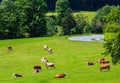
{"points": [[69, 57], [88, 14]]}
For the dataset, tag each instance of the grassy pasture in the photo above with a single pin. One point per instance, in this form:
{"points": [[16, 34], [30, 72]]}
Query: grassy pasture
{"points": [[69, 57], [88, 14]]}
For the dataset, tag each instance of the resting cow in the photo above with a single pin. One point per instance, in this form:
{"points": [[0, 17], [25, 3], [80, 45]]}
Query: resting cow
{"points": [[9, 48], [102, 60], [37, 68], [50, 65], [17, 75], [90, 63], [50, 50], [105, 66], [46, 47], [44, 60], [59, 75]]}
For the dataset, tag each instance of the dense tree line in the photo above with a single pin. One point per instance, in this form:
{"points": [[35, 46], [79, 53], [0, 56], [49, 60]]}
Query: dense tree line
{"points": [[20, 18], [89, 5]]}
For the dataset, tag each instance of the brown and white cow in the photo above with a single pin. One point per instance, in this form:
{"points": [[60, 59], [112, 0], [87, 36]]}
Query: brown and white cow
{"points": [[44, 60], [10, 48], [105, 66], [50, 50], [17, 75], [49, 65], [37, 68], [102, 60], [59, 75]]}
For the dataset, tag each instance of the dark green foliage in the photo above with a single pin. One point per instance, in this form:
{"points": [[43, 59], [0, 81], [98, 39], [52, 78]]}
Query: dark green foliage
{"points": [[22, 18], [112, 27], [112, 34], [87, 29], [62, 6], [114, 15], [36, 17], [100, 19], [68, 22], [8, 25], [112, 47], [80, 23], [51, 26]]}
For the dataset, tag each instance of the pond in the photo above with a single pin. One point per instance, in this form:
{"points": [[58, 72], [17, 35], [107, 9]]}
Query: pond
{"points": [[91, 38]]}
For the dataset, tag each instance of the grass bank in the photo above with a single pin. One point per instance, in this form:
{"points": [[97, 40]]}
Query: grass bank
{"points": [[69, 57]]}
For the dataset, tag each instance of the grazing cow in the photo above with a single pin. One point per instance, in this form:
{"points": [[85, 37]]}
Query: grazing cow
{"points": [[102, 60], [50, 65], [9, 48], [59, 75], [17, 75], [50, 50], [46, 47], [44, 60], [37, 68], [105, 66], [90, 63]]}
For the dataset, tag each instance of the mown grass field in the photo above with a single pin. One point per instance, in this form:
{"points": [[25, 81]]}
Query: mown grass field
{"points": [[88, 14], [69, 57]]}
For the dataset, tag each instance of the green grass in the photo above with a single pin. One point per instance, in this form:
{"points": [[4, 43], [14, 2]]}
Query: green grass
{"points": [[69, 57], [88, 14]]}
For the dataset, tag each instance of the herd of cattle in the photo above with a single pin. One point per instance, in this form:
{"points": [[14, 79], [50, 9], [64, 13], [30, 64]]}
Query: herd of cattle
{"points": [[104, 62], [38, 68]]}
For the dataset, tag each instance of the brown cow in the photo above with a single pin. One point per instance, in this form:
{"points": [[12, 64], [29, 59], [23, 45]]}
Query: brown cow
{"points": [[59, 75], [9, 48], [90, 63], [102, 60], [17, 75], [37, 68], [105, 66]]}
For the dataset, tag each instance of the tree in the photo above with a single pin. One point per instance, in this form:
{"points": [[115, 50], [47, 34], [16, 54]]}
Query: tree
{"points": [[8, 25], [115, 52], [36, 17], [112, 35], [112, 48], [51, 26], [100, 19], [62, 6], [80, 23], [68, 22], [19, 18]]}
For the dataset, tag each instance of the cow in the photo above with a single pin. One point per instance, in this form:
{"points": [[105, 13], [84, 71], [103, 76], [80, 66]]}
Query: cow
{"points": [[90, 63], [105, 66], [102, 60], [59, 75], [50, 50], [49, 65], [9, 48], [46, 47], [44, 60], [17, 75], [37, 68]]}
